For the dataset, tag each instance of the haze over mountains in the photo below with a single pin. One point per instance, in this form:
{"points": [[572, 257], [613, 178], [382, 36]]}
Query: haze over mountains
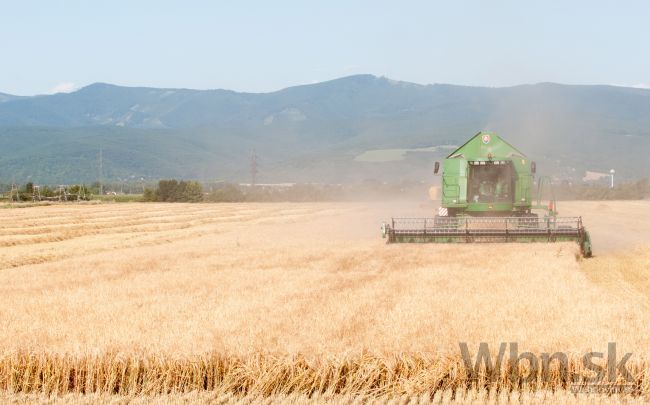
{"points": [[319, 132]]}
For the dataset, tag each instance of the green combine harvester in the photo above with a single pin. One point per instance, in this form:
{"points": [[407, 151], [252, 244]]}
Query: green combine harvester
{"points": [[487, 189]]}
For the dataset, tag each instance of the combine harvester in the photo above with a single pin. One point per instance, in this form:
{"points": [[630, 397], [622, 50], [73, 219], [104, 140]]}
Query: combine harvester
{"points": [[487, 197]]}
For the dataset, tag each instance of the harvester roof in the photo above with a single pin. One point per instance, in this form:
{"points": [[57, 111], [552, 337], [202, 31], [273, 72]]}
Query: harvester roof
{"points": [[486, 145]]}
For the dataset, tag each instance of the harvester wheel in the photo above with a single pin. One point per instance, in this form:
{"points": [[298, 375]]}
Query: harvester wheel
{"points": [[585, 246]]}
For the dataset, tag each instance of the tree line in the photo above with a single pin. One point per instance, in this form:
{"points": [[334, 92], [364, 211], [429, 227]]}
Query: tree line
{"points": [[175, 191], [193, 191], [172, 190]]}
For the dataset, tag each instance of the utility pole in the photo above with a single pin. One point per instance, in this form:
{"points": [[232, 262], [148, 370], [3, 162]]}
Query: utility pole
{"points": [[253, 168], [101, 172]]}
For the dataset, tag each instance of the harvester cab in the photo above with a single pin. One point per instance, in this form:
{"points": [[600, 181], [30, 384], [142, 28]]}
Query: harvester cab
{"points": [[487, 187]]}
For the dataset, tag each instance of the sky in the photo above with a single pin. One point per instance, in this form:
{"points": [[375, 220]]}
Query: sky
{"points": [[261, 46]]}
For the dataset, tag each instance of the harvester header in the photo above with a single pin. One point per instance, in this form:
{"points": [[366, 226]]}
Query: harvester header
{"points": [[487, 189]]}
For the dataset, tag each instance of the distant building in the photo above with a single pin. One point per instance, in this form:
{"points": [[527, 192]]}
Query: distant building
{"points": [[595, 177]]}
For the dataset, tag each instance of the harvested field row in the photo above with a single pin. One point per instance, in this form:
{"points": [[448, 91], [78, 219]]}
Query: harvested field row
{"points": [[39, 242], [302, 288], [186, 297]]}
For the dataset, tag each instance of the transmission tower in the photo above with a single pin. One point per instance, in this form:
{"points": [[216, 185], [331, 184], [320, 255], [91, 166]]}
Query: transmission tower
{"points": [[14, 191], [36, 193], [63, 192], [253, 168], [82, 192], [101, 172]]}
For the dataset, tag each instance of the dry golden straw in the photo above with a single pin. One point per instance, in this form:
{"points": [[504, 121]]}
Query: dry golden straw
{"points": [[267, 375], [300, 302]]}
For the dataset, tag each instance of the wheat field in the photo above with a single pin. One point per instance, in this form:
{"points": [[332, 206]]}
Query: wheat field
{"points": [[297, 302]]}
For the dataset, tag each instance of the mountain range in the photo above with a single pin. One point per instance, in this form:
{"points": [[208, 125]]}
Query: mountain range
{"points": [[350, 129]]}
